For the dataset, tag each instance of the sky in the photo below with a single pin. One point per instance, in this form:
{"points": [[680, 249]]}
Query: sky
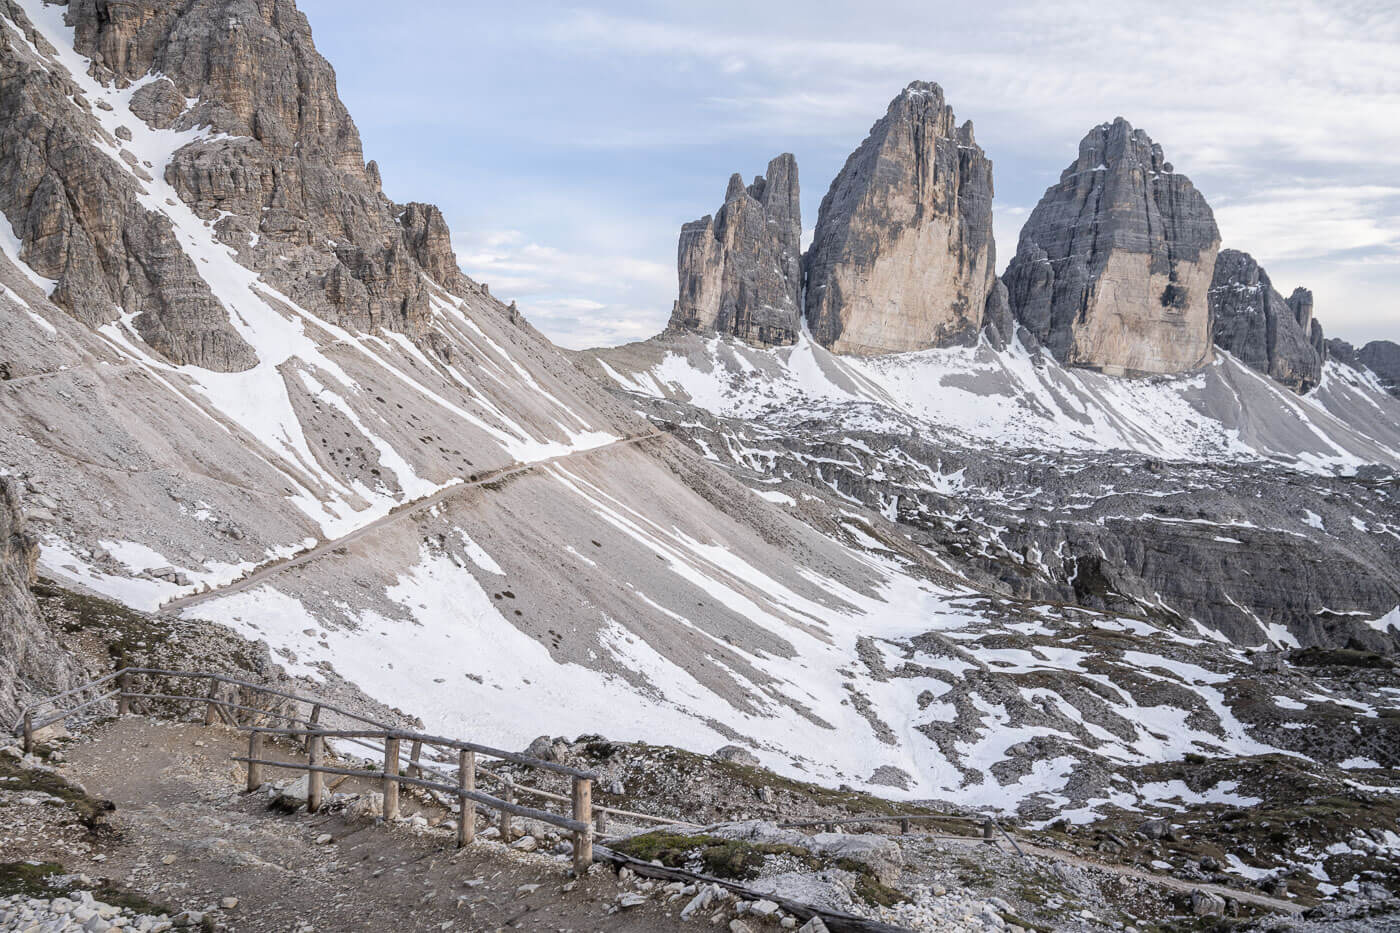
{"points": [[567, 144]]}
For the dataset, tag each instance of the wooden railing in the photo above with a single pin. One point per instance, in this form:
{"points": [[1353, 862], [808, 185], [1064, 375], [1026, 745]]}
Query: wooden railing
{"points": [[419, 767], [584, 821], [989, 824]]}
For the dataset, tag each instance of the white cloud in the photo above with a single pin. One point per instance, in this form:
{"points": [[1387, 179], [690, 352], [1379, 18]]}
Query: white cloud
{"points": [[629, 117], [580, 299]]}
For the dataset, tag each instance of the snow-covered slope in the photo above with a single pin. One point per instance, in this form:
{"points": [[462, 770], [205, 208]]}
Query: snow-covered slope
{"points": [[1018, 399], [470, 528], [1219, 500]]}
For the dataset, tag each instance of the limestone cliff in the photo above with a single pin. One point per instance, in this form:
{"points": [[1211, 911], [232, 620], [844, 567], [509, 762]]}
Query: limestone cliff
{"points": [[740, 271], [275, 167], [903, 257], [1381, 357], [1253, 321], [1114, 264], [31, 663]]}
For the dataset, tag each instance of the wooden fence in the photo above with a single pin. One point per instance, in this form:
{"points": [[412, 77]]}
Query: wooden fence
{"points": [[409, 758], [434, 773]]}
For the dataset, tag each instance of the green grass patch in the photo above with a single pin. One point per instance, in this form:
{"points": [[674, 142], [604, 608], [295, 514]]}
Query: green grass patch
{"points": [[30, 880], [739, 860], [91, 810]]}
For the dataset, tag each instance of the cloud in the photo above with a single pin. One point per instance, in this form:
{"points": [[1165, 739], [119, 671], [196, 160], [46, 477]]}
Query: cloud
{"points": [[628, 118], [1305, 221], [581, 299]]}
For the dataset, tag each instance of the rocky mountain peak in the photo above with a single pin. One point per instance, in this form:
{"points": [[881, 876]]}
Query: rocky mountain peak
{"points": [[903, 257], [275, 168], [1113, 266], [740, 270], [1254, 322]]}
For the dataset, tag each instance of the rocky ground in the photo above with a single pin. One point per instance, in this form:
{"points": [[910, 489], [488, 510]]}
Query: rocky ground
{"points": [[1232, 838], [150, 818]]}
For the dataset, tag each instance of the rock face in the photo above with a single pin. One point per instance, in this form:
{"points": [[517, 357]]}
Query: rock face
{"points": [[1114, 264], [1253, 321], [277, 171], [903, 257], [31, 662], [741, 270], [1381, 357]]}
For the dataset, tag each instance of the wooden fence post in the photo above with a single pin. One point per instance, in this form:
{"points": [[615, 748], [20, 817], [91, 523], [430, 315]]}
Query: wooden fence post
{"points": [[28, 732], [583, 839], [600, 822], [987, 832], [314, 779], [466, 779], [211, 711], [255, 750], [313, 720], [904, 827], [508, 795], [123, 701], [391, 783], [414, 751]]}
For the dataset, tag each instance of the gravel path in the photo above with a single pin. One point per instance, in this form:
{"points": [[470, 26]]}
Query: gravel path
{"points": [[186, 837]]}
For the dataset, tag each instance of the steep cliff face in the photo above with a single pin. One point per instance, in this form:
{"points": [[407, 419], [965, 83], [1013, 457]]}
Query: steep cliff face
{"points": [[82, 220], [31, 662], [1380, 357], [740, 271], [1253, 321], [263, 152], [903, 256], [1114, 264]]}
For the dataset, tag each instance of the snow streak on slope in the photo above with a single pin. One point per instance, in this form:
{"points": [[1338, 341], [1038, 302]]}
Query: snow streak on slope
{"points": [[312, 375], [1019, 399], [907, 686]]}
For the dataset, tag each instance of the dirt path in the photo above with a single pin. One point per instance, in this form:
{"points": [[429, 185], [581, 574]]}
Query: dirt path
{"points": [[401, 512], [1167, 881], [187, 836]]}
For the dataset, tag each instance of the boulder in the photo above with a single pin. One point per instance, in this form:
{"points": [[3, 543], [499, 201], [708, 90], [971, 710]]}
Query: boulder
{"points": [[740, 756], [882, 856], [1206, 904], [1114, 264], [902, 257], [740, 271], [761, 832], [1155, 829]]}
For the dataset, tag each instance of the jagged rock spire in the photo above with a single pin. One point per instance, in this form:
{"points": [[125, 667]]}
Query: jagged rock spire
{"points": [[740, 271], [903, 257], [1253, 321], [1113, 266]]}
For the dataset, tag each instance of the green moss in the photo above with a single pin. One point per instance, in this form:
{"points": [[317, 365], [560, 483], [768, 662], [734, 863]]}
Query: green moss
{"points": [[869, 888], [30, 880], [129, 900], [723, 858], [91, 810], [742, 861]]}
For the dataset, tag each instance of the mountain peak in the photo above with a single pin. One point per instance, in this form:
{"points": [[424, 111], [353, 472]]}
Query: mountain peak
{"points": [[740, 271], [902, 257], [1113, 266]]}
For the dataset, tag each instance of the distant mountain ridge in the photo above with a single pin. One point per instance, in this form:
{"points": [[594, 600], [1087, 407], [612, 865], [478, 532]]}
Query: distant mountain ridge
{"points": [[1116, 268]]}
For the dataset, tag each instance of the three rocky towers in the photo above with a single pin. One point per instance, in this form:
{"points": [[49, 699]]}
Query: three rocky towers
{"points": [[1118, 267]]}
